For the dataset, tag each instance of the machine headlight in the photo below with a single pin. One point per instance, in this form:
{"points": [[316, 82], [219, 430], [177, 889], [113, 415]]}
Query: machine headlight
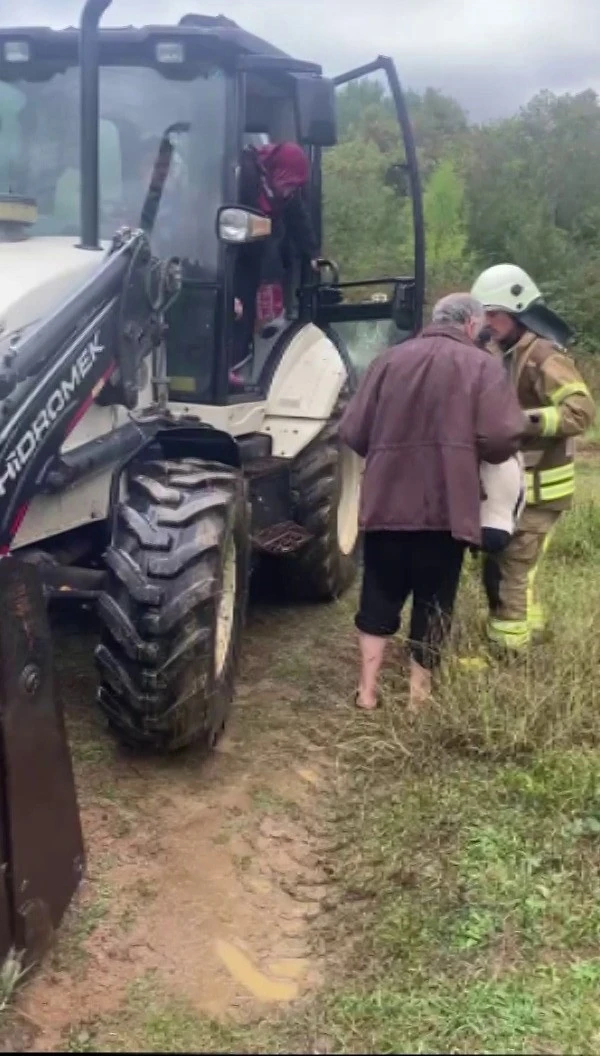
{"points": [[16, 51], [170, 51], [239, 225]]}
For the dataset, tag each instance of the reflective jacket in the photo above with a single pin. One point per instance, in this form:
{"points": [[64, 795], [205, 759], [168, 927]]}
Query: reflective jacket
{"points": [[559, 407]]}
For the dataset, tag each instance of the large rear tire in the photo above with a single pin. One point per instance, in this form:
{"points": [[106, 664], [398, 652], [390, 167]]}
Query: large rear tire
{"points": [[174, 605], [325, 489]]}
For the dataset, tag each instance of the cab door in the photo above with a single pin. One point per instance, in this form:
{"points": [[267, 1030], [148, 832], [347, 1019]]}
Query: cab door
{"points": [[366, 316]]}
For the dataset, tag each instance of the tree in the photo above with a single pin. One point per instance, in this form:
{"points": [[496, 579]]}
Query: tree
{"points": [[367, 230], [524, 189], [445, 227], [357, 97], [440, 127], [534, 199]]}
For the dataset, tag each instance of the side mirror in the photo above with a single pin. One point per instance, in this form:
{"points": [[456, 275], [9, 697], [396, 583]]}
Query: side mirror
{"points": [[237, 225], [316, 110]]}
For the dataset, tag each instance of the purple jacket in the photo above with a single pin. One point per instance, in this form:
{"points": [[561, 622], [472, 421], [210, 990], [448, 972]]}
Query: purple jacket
{"points": [[425, 414]]}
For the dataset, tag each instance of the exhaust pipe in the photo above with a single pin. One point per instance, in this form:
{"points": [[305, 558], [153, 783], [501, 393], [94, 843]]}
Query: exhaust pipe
{"points": [[89, 121]]}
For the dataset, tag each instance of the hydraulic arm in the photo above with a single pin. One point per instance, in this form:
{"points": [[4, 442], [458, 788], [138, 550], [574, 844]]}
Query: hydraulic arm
{"points": [[92, 346], [96, 340]]}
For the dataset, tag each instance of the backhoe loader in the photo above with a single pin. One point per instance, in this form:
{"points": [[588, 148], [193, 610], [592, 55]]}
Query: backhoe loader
{"points": [[134, 472]]}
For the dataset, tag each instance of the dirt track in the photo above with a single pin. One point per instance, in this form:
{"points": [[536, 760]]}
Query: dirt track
{"points": [[205, 877]]}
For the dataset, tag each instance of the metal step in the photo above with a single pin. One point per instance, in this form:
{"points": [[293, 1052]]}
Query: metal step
{"points": [[286, 537]]}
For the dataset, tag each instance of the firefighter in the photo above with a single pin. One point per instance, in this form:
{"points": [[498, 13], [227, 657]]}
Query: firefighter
{"points": [[559, 407]]}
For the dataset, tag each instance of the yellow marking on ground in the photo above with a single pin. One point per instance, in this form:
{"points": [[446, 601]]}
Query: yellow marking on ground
{"points": [[290, 968], [308, 775], [263, 988]]}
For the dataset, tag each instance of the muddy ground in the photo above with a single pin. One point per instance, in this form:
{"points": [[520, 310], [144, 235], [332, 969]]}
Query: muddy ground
{"points": [[206, 877]]}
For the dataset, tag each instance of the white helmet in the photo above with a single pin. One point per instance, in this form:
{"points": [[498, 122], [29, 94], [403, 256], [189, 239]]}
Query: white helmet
{"points": [[506, 288]]}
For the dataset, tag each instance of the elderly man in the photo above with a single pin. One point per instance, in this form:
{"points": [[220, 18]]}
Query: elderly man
{"points": [[425, 415]]}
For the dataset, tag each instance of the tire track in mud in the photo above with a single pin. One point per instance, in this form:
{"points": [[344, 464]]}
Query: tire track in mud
{"points": [[205, 876]]}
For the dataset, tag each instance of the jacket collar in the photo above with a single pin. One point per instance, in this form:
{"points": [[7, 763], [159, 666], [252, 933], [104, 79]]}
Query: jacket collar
{"points": [[451, 333], [525, 341]]}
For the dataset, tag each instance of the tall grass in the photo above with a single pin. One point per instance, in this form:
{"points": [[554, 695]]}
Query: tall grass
{"points": [[470, 871], [590, 369], [550, 697]]}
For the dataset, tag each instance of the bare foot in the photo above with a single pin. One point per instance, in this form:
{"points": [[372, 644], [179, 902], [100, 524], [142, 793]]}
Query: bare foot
{"points": [[420, 687], [365, 703]]}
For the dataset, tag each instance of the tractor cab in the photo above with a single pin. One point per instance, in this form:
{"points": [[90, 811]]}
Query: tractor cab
{"points": [[146, 127]]}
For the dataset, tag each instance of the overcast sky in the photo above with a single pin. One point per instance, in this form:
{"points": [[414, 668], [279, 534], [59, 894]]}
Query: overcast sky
{"points": [[492, 56]]}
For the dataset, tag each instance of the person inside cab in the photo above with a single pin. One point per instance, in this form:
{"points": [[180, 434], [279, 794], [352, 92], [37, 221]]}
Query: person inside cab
{"points": [[558, 406], [272, 179]]}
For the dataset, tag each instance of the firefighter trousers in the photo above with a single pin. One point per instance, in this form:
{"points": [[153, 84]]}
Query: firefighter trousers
{"points": [[509, 581]]}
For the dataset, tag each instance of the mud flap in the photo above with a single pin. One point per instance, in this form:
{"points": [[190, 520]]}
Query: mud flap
{"points": [[42, 842]]}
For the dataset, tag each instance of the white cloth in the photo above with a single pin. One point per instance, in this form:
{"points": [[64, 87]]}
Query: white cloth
{"points": [[503, 499]]}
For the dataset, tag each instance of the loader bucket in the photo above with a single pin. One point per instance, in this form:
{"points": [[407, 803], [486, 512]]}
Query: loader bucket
{"points": [[40, 832]]}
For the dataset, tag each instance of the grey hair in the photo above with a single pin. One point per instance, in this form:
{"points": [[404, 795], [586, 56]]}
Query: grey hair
{"points": [[457, 309]]}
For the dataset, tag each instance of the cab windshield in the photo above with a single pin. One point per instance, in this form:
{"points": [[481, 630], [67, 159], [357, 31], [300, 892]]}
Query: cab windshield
{"points": [[39, 153]]}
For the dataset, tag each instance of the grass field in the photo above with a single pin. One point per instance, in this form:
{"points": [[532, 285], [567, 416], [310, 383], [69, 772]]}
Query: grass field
{"points": [[477, 844], [385, 885]]}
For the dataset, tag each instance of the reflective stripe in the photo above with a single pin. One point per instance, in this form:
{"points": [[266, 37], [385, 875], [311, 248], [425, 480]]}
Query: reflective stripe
{"points": [[535, 613], [535, 617], [554, 492], [551, 493], [574, 388], [550, 420], [556, 474], [549, 485], [514, 634]]}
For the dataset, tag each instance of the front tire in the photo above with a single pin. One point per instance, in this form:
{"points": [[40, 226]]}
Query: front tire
{"points": [[174, 604]]}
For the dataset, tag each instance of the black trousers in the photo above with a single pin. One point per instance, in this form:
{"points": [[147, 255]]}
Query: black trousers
{"points": [[426, 565]]}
